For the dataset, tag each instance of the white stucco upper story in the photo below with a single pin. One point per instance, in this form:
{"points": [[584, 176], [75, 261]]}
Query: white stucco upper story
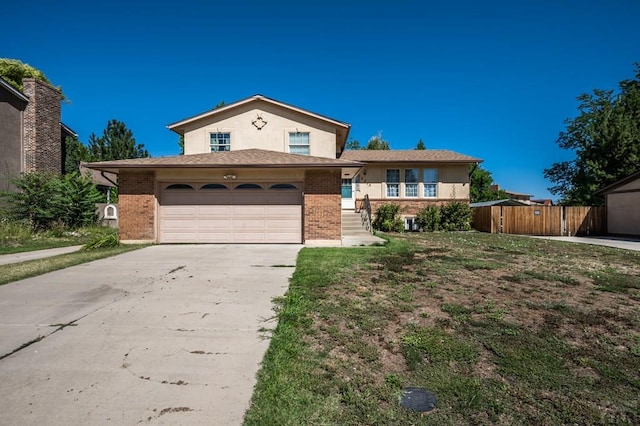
{"points": [[262, 123]]}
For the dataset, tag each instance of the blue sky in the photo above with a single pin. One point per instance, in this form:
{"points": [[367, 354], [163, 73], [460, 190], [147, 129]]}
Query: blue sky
{"points": [[491, 79]]}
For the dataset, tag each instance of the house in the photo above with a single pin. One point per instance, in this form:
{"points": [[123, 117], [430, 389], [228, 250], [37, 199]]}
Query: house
{"points": [[622, 199], [31, 133], [412, 179], [263, 171]]}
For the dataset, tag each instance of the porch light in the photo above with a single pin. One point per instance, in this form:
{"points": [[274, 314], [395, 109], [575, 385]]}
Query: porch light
{"points": [[229, 177]]}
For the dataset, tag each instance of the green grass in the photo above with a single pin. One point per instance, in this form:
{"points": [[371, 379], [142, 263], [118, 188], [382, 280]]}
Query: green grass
{"points": [[19, 238], [18, 271], [503, 329]]}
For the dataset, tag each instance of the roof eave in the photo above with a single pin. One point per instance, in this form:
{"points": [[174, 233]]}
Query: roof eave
{"points": [[117, 168], [175, 126], [618, 183]]}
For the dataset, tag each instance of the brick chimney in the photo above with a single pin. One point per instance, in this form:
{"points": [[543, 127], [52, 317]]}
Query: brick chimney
{"points": [[42, 147]]}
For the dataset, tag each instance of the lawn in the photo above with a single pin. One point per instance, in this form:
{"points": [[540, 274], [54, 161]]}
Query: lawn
{"points": [[502, 329]]}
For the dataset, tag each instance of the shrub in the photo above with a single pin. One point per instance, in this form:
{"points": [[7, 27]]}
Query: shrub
{"points": [[387, 219], [456, 216], [47, 200], [428, 218]]}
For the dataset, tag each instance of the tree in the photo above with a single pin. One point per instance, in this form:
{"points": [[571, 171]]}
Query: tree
{"points": [[75, 152], [376, 142], [353, 145], [480, 187], [14, 70], [420, 145], [116, 143], [606, 140], [181, 137]]}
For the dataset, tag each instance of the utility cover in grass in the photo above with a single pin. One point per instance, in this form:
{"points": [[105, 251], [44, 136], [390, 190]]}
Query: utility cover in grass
{"points": [[418, 399]]}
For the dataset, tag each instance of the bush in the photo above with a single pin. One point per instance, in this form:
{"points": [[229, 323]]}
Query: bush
{"points": [[456, 216], [387, 219], [428, 218], [47, 200]]}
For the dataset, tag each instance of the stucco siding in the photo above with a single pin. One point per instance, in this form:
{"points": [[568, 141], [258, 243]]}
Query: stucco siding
{"points": [[273, 136], [453, 181], [11, 122], [623, 211]]}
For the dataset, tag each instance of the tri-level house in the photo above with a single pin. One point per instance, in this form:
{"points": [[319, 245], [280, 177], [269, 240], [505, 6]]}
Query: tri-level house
{"points": [[263, 171]]}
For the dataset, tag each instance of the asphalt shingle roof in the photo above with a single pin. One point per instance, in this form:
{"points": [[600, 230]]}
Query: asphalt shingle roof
{"points": [[239, 158], [408, 156]]}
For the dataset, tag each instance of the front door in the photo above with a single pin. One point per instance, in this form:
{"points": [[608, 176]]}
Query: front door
{"points": [[348, 199]]}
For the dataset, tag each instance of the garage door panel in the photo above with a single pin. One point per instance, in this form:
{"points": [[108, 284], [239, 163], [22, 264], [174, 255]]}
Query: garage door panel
{"points": [[225, 216]]}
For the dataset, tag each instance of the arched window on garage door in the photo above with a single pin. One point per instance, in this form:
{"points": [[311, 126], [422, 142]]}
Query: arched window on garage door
{"points": [[283, 186], [179, 186], [248, 186], [214, 186]]}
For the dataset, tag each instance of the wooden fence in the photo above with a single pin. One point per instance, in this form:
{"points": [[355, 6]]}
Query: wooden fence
{"points": [[540, 220]]}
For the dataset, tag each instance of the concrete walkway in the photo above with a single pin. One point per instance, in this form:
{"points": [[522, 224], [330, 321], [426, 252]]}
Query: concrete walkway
{"points": [[622, 243], [168, 334], [6, 259]]}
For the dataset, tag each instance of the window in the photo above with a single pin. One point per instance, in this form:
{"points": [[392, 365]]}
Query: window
{"points": [[179, 186], [248, 186], [430, 179], [214, 186], [393, 183], [411, 182], [220, 142], [299, 143], [283, 186]]}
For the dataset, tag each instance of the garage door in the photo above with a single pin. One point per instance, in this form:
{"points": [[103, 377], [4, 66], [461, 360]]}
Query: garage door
{"points": [[230, 213]]}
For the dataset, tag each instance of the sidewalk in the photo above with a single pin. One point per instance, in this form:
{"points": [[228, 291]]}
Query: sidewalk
{"points": [[6, 259], [617, 242]]}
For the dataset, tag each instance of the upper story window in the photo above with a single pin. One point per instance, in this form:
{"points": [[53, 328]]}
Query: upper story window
{"points": [[220, 142], [299, 143], [393, 183], [411, 178], [430, 179]]}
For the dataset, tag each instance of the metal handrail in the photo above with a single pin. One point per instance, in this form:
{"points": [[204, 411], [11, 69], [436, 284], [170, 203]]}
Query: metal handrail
{"points": [[365, 213]]}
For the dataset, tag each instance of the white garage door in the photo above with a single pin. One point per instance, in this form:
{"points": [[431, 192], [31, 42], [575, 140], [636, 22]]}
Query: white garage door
{"points": [[230, 213]]}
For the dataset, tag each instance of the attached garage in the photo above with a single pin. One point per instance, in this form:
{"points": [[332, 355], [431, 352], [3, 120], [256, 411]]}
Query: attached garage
{"points": [[201, 212]]}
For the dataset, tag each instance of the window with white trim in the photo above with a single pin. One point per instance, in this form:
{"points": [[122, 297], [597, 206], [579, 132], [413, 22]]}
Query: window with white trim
{"points": [[393, 183], [299, 143], [430, 181], [220, 142], [411, 179]]}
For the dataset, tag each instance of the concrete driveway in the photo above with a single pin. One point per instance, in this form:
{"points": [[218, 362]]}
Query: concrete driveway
{"points": [[164, 335]]}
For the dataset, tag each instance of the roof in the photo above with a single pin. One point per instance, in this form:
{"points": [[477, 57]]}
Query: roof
{"points": [[18, 94], [101, 178], [408, 156], [619, 183], [505, 202], [250, 158], [68, 129], [258, 97]]}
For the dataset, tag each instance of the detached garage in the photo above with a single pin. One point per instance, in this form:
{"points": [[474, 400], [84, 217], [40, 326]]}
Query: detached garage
{"points": [[623, 205], [244, 196]]}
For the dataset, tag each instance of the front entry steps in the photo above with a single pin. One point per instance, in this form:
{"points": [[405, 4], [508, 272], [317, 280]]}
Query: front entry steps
{"points": [[354, 232]]}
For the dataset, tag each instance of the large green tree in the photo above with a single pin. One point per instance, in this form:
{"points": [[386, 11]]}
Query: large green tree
{"points": [[480, 188], [14, 70], [606, 140], [75, 152], [116, 143]]}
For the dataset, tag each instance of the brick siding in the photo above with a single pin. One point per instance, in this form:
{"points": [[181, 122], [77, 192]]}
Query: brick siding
{"points": [[137, 205], [322, 205], [408, 207], [42, 147]]}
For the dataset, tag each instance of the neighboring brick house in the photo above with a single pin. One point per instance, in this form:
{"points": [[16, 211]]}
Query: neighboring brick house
{"points": [[31, 133], [262, 171]]}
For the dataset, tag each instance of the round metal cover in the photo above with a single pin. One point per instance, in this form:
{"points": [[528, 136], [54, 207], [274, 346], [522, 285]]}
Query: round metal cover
{"points": [[418, 399]]}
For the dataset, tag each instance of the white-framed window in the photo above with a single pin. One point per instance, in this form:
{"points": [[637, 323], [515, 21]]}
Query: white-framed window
{"points": [[299, 143], [411, 179], [430, 182], [220, 142], [393, 183]]}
